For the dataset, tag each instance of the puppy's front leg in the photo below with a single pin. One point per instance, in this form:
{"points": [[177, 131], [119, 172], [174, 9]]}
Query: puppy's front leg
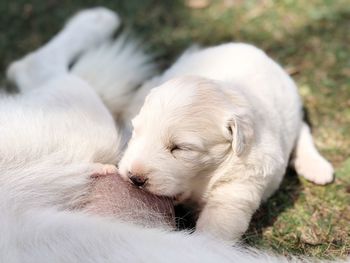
{"points": [[229, 209]]}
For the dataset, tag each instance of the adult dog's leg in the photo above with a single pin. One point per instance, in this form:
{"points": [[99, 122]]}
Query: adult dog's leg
{"points": [[309, 162], [83, 31]]}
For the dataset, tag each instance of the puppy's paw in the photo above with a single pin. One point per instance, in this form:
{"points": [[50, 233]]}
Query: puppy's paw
{"points": [[217, 231], [221, 223], [104, 169], [315, 169], [96, 22]]}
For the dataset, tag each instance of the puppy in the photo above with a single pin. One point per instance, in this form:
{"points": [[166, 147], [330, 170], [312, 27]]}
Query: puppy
{"points": [[219, 131]]}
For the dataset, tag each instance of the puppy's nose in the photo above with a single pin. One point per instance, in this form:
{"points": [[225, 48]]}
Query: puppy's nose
{"points": [[137, 180]]}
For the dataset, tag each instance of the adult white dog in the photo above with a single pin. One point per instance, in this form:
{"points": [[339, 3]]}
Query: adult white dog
{"points": [[56, 133], [219, 132]]}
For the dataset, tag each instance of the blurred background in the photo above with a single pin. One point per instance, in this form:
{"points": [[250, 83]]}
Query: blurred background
{"points": [[310, 39]]}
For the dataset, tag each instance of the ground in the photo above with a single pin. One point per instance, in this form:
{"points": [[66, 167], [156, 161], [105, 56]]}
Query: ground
{"points": [[309, 38]]}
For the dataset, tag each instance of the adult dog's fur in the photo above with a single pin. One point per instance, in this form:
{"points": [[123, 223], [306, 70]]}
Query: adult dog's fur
{"points": [[219, 131], [54, 136]]}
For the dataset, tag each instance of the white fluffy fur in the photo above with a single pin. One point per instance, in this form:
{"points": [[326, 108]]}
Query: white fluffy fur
{"points": [[111, 69], [219, 131], [53, 137], [49, 235]]}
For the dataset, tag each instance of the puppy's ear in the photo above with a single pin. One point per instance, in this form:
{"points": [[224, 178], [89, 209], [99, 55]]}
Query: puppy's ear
{"points": [[241, 133]]}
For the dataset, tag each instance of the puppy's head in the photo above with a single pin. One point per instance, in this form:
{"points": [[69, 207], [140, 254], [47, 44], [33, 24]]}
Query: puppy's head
{"points": [[186, 128]]}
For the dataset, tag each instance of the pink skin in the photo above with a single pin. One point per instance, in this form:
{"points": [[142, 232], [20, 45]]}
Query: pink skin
{"points": [[110, 195]]}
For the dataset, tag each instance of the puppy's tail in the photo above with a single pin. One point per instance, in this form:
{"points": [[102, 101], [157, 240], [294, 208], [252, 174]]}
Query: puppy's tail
{"points": [[115, 70]]}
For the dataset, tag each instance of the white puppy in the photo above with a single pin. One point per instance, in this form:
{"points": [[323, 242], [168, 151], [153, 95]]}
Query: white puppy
{"points": [[219, 133]]}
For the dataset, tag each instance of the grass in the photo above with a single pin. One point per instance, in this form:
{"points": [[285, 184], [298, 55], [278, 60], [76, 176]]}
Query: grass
{"points": [[310, 38]]}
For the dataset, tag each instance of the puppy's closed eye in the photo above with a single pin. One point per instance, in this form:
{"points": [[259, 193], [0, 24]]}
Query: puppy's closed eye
{"points": [[174, 148], [184, 152]]}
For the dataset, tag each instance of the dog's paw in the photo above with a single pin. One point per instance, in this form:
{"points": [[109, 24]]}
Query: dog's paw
{"points": [[22, 72], [104, 169], [15, 70], [315, 169], [97, 22]]}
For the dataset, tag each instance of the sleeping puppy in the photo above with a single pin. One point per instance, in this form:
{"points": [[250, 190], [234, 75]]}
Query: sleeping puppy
{"points": [[219, 131]]}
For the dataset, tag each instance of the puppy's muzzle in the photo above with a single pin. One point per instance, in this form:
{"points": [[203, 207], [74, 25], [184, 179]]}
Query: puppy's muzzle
{"points": [[138, 180]]}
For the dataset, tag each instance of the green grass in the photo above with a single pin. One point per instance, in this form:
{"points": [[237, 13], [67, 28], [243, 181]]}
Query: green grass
{"points": [[310, 38]]}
